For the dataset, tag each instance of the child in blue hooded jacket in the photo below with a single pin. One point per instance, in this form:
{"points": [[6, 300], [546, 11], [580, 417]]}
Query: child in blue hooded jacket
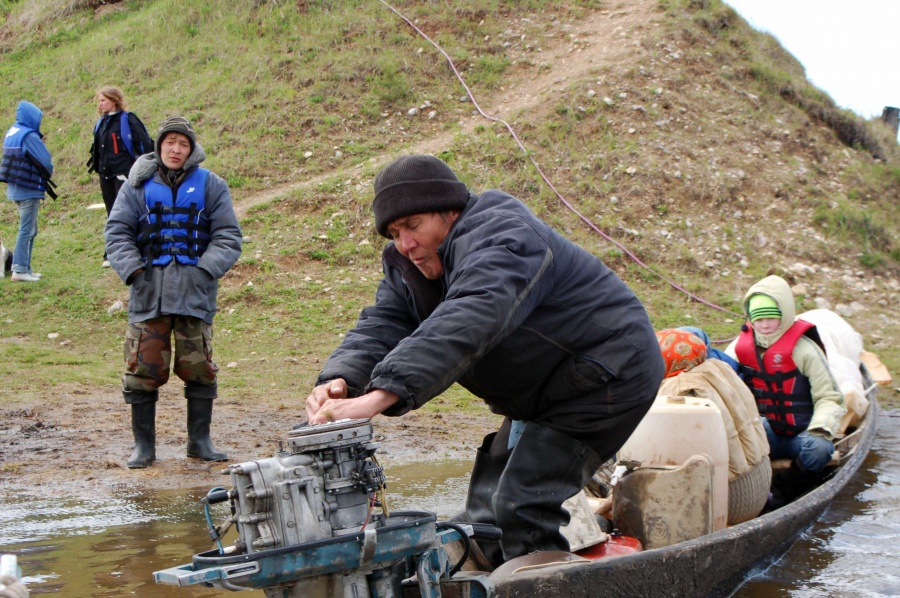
{"points": [[26, 168]]}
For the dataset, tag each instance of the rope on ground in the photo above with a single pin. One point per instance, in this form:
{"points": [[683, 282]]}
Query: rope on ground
{"points": [[546, 180]]}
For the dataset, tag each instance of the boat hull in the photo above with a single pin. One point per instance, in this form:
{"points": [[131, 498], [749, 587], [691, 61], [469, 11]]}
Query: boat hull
{"points": [[713, 565]]}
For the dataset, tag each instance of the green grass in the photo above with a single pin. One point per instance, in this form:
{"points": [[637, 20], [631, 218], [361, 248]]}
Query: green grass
{"points": [[853, 223], [265, 83]]}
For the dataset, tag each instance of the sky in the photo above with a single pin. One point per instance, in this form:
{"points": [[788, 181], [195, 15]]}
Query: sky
{"points": [[849, 48]]}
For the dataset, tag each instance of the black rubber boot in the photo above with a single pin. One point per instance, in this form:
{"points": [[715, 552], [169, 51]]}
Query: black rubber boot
{"points": [[790, 485], [199, 416], [490, 459], [545, 468], [143, 426]]}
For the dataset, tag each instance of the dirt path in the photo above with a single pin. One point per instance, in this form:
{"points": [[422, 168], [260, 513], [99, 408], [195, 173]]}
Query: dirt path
{"points": [[78, 445], [603, 39]]}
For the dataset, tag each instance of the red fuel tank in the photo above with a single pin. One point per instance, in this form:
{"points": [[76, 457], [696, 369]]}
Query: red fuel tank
{"points": [[614, 546]]}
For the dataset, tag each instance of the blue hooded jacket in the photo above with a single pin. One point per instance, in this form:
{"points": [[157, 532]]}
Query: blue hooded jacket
{"points": [[712, 352], [19, 143]]}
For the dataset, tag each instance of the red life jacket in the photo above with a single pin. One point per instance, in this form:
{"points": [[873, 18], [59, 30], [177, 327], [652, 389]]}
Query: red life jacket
{"points": [[783, 395]]}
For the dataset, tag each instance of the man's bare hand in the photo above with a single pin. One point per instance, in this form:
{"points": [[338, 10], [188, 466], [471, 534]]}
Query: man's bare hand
{"points": [[332, 409], [333, 389]]}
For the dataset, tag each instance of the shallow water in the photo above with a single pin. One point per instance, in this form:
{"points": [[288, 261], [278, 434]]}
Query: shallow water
{"points": [[106, 547], [853, 550], [111, 547]]}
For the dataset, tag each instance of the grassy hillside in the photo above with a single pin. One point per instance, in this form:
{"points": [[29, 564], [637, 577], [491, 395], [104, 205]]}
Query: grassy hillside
{"points": [[700, 148]]}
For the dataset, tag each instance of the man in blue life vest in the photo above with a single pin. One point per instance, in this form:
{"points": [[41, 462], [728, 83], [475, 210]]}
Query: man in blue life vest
{"points": [[171, 235], [783, 362]]}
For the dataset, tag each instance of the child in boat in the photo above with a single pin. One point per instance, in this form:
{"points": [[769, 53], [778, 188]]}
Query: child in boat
{"points": [[782, 361]]}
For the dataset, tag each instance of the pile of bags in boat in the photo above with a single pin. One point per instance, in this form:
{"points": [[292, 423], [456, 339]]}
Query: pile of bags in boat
{"points": [[844, 351], [699, 461]]}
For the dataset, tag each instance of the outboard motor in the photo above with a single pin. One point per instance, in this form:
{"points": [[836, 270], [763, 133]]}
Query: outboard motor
{"points": [[321, 486], [307, 527]]}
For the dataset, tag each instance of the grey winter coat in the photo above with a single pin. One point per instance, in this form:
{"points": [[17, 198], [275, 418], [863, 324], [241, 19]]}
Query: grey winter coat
{"points": [[521, 317], [174, 289]]}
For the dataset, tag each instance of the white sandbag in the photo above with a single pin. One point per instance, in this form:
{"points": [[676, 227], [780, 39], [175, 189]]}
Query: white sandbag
{"points": [[849, 380], [843, 347], [844, 369], [836, 333]]}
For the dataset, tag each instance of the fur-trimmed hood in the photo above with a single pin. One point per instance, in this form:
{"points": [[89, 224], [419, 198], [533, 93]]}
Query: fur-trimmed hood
{"points": [[146, 166], [779, 291]]}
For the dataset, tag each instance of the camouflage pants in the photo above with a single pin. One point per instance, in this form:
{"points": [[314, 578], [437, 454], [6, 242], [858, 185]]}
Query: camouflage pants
{"points": [[148, 353]]}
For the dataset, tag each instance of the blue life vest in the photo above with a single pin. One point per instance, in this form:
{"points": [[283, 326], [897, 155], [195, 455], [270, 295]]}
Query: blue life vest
{"points": [[175, 226], [127, 137], [15, 167]]}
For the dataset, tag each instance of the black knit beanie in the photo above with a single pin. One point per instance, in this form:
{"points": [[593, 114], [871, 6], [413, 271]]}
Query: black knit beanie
{"points": [[413, 185], [176, 124]]}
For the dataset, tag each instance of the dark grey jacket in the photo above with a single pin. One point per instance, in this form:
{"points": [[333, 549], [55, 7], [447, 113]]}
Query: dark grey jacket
{"points": [[521, 317], [175, 289]]}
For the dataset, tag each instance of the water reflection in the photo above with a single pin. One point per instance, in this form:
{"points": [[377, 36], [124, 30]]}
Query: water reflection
{"points": [[106, 547], [111, 547], [436, 487], [854, 548]]}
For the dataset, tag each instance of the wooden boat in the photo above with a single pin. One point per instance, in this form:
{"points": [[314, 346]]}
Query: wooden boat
{"points": [[711, 565], [341, 565]]}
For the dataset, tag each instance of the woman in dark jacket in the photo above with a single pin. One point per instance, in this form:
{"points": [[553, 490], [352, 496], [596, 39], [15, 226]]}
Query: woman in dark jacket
{"points": [[117, 144]]}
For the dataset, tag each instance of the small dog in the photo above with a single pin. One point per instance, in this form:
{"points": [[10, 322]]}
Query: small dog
{"points": [[6, 258]]}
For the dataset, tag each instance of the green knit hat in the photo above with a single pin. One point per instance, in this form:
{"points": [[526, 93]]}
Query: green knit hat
{"points": [[763, 306]]}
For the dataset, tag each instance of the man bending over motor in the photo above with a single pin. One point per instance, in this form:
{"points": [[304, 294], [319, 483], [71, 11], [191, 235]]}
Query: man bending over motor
{"points": [[478, 290]]}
